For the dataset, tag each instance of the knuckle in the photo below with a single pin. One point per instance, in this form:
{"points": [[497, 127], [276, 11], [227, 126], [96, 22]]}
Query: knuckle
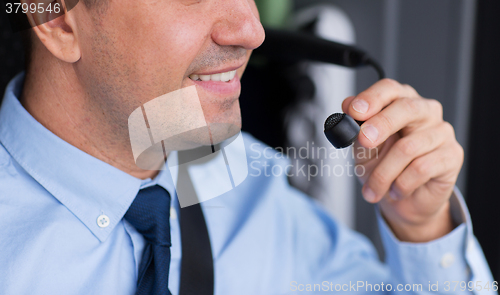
{"points": [[407, 147], [378, 179], [403, 186], [421, 167], [386, 121], [436, 107], [449, 129], [410, 90], [459, 151], [411, 105], [447, 163], [432, 139], [391, 83]]}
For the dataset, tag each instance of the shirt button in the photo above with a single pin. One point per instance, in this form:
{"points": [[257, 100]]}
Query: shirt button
{"points": [[173, 213], [447, 260], [103, 221]]}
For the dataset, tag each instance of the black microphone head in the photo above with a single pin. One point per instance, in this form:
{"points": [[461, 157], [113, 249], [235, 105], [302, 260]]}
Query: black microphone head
{"points": [[341, 130]]}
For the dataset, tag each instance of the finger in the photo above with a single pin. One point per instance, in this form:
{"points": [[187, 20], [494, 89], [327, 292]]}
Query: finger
{"points": [[408, 113], [379, 95], [442, 165], [346, 103], [401, 154], [370, 156]]}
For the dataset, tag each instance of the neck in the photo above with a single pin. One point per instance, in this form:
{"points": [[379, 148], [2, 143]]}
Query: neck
{"points": [[59, 102]]}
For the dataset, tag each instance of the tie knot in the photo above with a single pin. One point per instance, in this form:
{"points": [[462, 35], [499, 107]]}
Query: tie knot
{"points": [[150, 215]]}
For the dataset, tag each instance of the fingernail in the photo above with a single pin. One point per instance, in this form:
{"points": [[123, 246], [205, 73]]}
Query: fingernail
{"points": [[370, 132], [393, 194], [360, 105], [369, 195]]}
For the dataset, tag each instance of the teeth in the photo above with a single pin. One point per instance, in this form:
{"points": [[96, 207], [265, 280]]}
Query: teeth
{"points": [[224, 77], [215, 77]]}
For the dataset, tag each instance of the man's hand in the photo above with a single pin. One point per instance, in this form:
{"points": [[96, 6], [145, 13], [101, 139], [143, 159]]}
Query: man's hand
{"points": [[411, 158]]}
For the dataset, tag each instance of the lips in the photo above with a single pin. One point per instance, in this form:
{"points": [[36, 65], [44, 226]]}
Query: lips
{"points": [[219, 77], [222, 85]]}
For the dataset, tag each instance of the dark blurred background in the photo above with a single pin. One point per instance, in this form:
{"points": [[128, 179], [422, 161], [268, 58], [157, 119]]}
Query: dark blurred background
{"points": [[447, 50]]}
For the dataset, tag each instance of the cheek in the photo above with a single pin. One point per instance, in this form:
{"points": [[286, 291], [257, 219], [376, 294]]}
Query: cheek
{"points": [[157, 50], [176, 47], [166, 57], [172, 36]]}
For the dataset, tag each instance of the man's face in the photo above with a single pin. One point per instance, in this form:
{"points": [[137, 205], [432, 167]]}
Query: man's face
{"points": [[135, 51]]}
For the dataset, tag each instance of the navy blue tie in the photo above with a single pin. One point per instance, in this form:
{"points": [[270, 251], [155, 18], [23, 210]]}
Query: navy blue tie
{"points": [[150, 215]]}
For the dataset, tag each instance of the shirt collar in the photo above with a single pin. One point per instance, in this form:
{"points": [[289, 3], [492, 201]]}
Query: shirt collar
{"points": [[87, 186]]}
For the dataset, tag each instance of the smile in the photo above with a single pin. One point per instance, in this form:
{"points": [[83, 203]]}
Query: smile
{"points": [[219, 77]]}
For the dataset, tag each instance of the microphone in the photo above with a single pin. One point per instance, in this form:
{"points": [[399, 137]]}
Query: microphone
{"points": [[340, 129]]}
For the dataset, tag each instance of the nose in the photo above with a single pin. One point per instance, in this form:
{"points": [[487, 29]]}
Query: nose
{"points": [[238, 25]]}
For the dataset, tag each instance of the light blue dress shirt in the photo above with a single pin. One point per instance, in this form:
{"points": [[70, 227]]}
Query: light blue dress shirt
{"points": [[62, 229]]}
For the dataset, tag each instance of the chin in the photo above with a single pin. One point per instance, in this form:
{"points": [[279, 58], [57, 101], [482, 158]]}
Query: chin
{"points": [[223, 120], [222, 131], [214, 133]]}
